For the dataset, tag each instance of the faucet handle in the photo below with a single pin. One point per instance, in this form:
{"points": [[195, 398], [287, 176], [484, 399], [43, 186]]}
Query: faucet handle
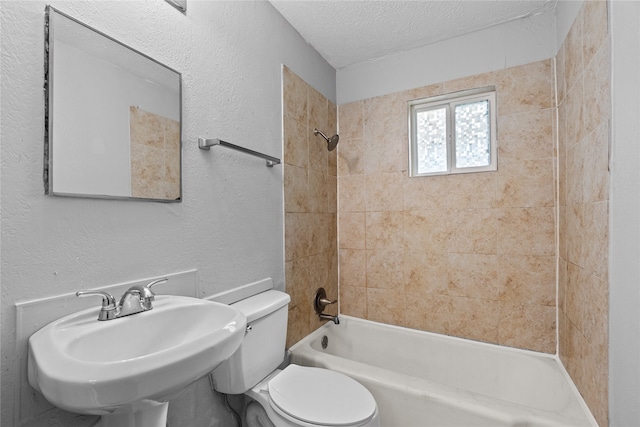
{"points": [[157, 282], [108, 310]]}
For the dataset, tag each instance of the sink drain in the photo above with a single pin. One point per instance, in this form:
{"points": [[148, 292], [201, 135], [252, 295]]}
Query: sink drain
{"points": [[324, 342]]}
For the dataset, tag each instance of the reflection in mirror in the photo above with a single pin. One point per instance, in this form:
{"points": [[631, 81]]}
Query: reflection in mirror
{"points": [[113, 125]]}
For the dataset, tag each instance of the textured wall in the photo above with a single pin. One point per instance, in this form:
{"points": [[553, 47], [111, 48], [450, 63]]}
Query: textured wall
{"points": [[470, 255], [583, 287], [230, 223], [310, 185]]}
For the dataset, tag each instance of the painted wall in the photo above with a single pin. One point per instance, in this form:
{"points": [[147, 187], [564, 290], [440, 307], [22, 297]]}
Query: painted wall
{"points": [[515, 43], [230, 223], [624, 271]]}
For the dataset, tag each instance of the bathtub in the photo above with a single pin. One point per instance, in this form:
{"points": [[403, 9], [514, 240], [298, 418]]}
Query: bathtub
{"points": [[425, 379]]}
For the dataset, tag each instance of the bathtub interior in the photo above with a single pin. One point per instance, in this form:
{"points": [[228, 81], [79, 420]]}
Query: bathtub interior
{"points": [[415, 370], [519, 377]]}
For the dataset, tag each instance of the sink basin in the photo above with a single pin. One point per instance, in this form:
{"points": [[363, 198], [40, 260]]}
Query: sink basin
{"points": [[88, 366]]}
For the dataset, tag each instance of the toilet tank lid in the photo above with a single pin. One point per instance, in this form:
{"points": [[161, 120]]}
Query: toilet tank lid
{"points": [[259, 305]]}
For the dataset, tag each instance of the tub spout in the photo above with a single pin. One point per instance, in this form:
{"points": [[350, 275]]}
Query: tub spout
{"points": [[334, 319]]}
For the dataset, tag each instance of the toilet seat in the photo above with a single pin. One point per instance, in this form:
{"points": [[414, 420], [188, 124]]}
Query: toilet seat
{"points": [[320, 397]]}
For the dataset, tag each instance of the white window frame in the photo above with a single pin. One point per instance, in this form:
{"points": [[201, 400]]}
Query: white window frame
{"points": [[449, 102]]}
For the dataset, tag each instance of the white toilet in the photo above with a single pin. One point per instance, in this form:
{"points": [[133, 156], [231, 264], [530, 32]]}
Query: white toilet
{"points": [[295, 396]]}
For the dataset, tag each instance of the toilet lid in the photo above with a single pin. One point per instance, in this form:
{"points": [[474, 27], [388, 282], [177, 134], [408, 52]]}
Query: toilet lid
{"points": [[320, 396]]}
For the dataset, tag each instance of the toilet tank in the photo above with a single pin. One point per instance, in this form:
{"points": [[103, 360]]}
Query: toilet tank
{"points": [[262, 349]]}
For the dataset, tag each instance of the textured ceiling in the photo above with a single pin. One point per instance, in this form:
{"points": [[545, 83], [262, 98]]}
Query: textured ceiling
{"points": [[346, 32]]}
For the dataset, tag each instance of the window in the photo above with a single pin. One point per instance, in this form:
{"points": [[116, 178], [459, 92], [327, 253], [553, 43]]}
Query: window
{"points": [[453, 133]]}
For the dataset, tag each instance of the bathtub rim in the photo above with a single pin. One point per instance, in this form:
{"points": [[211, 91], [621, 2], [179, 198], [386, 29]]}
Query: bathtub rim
{"points": [[554, 357]]}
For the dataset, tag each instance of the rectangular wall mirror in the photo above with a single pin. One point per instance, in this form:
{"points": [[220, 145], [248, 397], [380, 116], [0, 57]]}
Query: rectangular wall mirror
{"points": [[113, 117]]}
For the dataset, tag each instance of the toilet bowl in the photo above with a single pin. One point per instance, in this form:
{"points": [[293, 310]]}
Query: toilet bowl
{"points": [[296, 396]]}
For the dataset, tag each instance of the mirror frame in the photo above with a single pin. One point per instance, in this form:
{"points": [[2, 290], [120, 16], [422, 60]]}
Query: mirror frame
{"points": [[49, 117]]}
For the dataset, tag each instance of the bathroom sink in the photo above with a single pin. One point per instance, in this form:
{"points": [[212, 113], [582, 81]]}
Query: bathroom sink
{"points": [[88, 366]]}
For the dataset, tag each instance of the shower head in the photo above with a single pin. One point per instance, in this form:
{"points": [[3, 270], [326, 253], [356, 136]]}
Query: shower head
{"points": [[331, 142]]}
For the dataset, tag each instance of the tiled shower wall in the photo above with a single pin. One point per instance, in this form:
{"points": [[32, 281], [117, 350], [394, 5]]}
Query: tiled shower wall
{"points": [[470, 255], [583, 64], [310, 184]]}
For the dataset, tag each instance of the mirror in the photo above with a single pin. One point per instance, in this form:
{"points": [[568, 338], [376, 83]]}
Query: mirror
{"points": [[112, 117]]}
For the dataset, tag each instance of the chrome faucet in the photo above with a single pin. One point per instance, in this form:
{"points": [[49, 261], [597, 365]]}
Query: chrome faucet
{"points": [[320, 302], [335, 319], [136, 299]]}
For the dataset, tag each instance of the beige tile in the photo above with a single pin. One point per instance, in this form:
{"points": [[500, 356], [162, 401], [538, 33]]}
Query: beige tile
{"points": [[596, 236], [471, 82], [472, 318], [597, 104], [575, 115], [472, 190], [574, 64], [296, 189], [318, 152], [146, 128], [318, 191], [385, 270], [332, 163], [318, 111], [384, 230], [473, 276], [424, 92], [351, 193], [332, 194], [350, 157], [352, 230], [147, 163], [426, 230], [527, 279], [385, 305], [296, 235], [321, 232], [588, 370], [351, 120], [353, 268], [531, 327], [575, 238], [425, 192], [353, 301], [296, 144], [595, 27], [294, 96], [473, 231], [426, 273], [596, 165], [526, 231], [297, 325], [297, 281], [318, 274], [561, 79], [575, 174], [562, 285], [384, 191], [525, 88], [385, 134], [526, 136], [526, 183], [427, 312]]}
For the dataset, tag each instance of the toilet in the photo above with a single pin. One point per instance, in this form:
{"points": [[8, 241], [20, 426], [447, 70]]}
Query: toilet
{"points": [[296, 395]]}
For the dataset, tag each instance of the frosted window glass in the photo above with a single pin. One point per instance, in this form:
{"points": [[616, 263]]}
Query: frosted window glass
{"points": [[473, 134], [431, 132]]}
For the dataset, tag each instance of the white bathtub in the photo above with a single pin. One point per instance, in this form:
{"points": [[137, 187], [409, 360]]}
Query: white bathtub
{"points": [[424, 379]]}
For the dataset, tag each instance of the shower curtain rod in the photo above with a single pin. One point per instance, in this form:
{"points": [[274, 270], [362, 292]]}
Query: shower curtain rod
{"points": [[205, 144]]}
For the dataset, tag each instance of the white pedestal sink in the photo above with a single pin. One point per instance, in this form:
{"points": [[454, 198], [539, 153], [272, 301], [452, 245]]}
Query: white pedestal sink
{"points": [[124, 369]]}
